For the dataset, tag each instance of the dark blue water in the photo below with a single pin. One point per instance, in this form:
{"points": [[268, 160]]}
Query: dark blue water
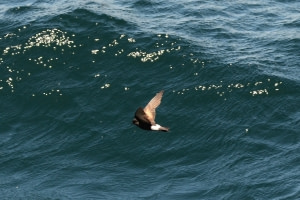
{"points": [[72, 74]]}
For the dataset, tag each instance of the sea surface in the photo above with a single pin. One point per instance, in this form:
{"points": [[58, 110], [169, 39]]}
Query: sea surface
{"points": [[73, 73]]}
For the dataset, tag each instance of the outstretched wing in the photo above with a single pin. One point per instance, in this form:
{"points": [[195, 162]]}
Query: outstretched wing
{"points": [[152, 105]]}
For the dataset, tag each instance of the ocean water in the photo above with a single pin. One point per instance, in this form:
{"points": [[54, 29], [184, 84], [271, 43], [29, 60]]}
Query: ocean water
{"points": [[72, 74]]}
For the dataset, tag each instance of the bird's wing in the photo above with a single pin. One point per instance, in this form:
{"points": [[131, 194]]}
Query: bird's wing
{"points": [[152, 105], [141, 116]]}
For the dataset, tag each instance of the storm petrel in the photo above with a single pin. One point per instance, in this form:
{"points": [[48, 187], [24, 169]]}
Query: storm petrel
{"points": [[145, 118]]}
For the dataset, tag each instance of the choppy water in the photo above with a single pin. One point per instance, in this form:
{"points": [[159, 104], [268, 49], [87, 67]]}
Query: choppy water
{"points": [[72, 74]]}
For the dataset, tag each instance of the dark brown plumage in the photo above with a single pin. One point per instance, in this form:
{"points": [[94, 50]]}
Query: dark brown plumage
{"points": [[145, 118]]}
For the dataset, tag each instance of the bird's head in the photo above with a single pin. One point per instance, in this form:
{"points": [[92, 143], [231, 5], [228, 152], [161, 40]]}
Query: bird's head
{"points": [[135, 121]]}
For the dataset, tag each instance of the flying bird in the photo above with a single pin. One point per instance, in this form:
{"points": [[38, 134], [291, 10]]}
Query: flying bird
{"points": [[145, 118]]}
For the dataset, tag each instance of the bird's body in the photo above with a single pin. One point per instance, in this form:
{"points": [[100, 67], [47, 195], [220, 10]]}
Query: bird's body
{"points": [[145, 118]]}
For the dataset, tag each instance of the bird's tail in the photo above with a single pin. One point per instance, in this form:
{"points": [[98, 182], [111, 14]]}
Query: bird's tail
{"points": [[165, 129]]}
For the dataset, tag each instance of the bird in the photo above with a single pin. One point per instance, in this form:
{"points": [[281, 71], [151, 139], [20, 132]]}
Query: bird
{"points": [[145, 117]]}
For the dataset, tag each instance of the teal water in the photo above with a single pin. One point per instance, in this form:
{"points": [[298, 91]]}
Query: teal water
{"points": [[72, 75]]}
